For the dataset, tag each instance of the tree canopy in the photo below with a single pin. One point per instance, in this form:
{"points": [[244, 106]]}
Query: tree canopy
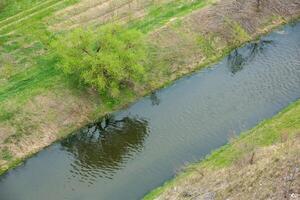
{"points": [[108, 58]]}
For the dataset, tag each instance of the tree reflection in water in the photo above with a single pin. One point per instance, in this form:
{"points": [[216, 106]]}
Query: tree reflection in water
{"points": [[238, 58], [103, 148], [155, 101]]}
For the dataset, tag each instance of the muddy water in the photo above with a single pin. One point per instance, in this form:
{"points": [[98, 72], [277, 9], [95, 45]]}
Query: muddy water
{"points": [[137, 149]]}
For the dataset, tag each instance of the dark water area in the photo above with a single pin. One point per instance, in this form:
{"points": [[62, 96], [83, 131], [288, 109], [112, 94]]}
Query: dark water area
{"points": [[135, 150]]}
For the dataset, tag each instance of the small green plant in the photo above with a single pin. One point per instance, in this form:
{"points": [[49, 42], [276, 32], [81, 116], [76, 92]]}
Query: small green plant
{"points": [[240, 34], [5, 115], [108, 59], [6, 71], [206, 44], [6, 154]]}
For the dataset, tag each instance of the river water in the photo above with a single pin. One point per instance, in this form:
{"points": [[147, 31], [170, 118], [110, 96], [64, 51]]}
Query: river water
{"points": [[137, 149]]}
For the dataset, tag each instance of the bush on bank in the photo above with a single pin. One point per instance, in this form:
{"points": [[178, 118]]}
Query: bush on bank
{"points": [[108, 59]]}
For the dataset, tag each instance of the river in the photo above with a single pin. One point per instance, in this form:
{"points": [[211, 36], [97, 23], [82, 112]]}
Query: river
{"points": [[135, 150]]}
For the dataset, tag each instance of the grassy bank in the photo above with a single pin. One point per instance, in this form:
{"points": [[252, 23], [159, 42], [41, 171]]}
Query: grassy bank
{"points": [[39, 105], [268, 152]]}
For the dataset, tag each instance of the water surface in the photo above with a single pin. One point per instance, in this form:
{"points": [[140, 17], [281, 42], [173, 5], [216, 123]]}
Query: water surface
{"points": [[135, 150]]}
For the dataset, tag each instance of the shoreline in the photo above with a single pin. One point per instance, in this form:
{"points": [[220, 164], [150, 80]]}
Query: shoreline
{"points": [[210, 166]]}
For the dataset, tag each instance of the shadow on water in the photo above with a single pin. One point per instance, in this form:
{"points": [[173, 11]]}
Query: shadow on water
{"points": [[155, 101], [240, 57], [103, 148]]}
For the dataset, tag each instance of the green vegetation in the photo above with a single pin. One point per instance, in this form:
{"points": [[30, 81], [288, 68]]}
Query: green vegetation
{"points": [[2, 4], [26, 67], [207, 46], [6, 155], [6, 71], [159, 14], [12, 7], [24, 38], [109, 58], [239, 33], [284, 125]]}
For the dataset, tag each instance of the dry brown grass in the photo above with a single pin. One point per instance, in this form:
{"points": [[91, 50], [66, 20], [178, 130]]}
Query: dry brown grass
{"points": [[43, 120], [228, 23], [274, 174]]}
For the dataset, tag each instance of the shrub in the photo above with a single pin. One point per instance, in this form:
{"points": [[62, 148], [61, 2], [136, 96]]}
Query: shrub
{"points": [[108, 58]]}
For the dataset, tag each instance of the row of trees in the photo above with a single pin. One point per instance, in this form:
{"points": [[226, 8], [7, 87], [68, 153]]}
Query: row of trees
{"points": [[108, 59]]}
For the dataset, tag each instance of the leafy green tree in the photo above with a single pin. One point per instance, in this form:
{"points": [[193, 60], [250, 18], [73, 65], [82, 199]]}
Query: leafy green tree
{"points": [[108, 59]]}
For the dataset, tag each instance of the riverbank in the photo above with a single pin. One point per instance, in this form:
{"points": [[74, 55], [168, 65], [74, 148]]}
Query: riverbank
{"points": [[262, 163], [40, 106]]}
